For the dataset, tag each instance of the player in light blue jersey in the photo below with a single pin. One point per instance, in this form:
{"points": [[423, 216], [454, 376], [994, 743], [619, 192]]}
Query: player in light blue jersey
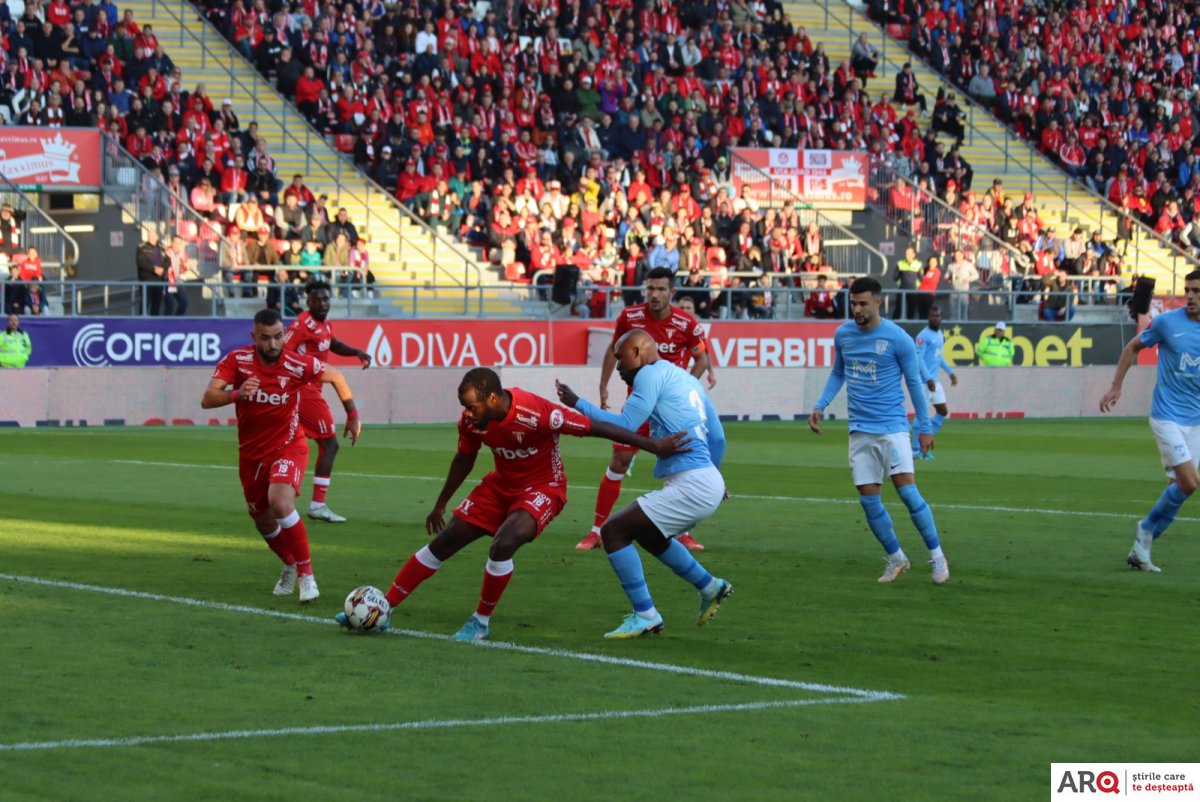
{"points": [[873, 357], [1174, 412], [673, 401], [929, 356]]}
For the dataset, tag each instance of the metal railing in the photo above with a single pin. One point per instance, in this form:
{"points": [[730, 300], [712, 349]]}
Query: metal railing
{"points": [[1027, 160], [57, 249], [153, 205], [925, 216], [845, 251], [266, 102], [224, 299]]}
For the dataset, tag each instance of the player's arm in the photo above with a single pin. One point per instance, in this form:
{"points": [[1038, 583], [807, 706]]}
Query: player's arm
{"points": [[702, 363], [665, 447], [921, 363], [460, 468], [716, 432], [635, 412], [215, 394], [907, 356], [833, 386], [606, 371], [342, 349], [353, 421], [949, 372], [1128, 354]]}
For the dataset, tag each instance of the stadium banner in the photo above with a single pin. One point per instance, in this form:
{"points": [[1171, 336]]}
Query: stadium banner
{"points": [[40, 159], [1039, 345], [526, 343], [122, 396], [828, 179], [112, 342]]}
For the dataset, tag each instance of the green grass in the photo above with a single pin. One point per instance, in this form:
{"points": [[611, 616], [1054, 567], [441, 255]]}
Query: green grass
{"points": [[1043, 647]]}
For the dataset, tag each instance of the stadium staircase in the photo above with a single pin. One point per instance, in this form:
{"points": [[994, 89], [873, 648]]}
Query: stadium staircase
{"points": [[991, 148], [402, 249]]}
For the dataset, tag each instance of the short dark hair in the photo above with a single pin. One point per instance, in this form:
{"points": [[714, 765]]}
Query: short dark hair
{"points": [[267, 317], [660, 272], [483, 381], [1193, 276], [316, 285], [865, 284]]}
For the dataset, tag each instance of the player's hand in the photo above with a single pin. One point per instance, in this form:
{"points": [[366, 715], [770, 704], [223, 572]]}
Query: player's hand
{"points": [[1110, 399], [565, 394], [711, 378], [674, 444], [725, 496], [603, 398], [353, 429], [364, 358], [926, 441], [953, 380], [435, 521], [814, 421], [931, 384], [249, 387]]}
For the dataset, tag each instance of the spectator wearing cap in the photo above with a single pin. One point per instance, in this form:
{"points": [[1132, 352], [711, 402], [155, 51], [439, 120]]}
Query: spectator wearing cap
{"points": [[996, 350], [386, 171]]}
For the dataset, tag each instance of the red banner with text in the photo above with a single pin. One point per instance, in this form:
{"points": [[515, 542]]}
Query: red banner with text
{"points": [[828, 179], [43, 159], [523, 343]]}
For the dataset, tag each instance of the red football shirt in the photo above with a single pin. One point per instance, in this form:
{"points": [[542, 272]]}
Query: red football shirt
{"points": [[525, 443], [677, 335], [270, 419], [309, 337]]}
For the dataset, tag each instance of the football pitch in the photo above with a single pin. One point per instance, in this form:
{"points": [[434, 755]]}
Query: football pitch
{"points": [[142, 655]]}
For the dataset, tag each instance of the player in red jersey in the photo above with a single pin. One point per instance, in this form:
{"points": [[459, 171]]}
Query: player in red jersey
{"points": [[312, 334], [266, 382], [516, 500], [680, 339]]}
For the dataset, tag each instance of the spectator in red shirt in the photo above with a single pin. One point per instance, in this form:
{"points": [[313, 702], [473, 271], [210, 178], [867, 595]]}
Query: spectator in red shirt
{"points": [[820, 301]]}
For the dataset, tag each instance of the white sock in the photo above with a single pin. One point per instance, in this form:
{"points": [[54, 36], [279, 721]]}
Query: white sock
{"points": [[649, 615], [483, 619], [898, 557], [936, 554], [426, 558], [709, 590], [595, 530]]}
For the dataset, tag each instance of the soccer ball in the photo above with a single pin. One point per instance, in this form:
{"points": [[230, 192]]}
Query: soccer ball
{"points": [[367, 609]]}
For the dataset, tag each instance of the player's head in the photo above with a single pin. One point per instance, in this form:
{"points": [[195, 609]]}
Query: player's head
{"points": [[482, 396], [319, 294], [268, 335], [1191, 291], [935, 318], [634, 350], [687, 304], [659, 282], [865, 296]]}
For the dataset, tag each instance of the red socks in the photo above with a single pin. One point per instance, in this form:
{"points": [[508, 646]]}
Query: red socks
{"points": [[280, 545], [320, 488], [606, 497], [495, 580], [296, 537], [419, 567]]}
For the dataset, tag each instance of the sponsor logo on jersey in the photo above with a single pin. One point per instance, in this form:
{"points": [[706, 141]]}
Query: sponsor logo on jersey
{"points": [[667, 348], [680, 323], [1186, 361], [514, 453], [556, 419], [244, 357], [635, 314], [530, 419], [862, 369], [261, 397]]}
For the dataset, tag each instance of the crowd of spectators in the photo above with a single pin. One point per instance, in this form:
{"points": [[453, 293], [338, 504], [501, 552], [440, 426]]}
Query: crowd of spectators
{"points": [[1106, 89]]}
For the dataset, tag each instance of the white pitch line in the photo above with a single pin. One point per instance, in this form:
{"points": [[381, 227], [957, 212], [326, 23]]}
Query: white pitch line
{"points": [[336, 729], [747, 496], [749, 679]]}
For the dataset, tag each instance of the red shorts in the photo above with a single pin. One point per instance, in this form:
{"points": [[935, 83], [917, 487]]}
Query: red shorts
{"points": [[488, 505], [643, 430], [284, 467], [315, 417]]}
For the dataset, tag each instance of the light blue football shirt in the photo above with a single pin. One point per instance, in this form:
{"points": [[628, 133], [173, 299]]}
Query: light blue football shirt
{"points": [[1177, 391], [929, 353], [873, 365], [674, 401]]}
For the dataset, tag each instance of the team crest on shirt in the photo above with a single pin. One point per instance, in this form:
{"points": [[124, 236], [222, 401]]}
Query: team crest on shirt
{"points": [[881, 346], [519, 437], [283, 381]]}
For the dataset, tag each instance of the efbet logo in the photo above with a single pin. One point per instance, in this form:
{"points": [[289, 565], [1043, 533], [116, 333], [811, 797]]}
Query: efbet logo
{"points": [[259, 397], [1088, 782], [517, 453]]}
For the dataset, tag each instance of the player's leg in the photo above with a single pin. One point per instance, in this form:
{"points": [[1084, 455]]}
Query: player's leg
{"points": [[1178, 447], [255, 485], [937, 400], [868, 461], [317, 420], [683, 502], [524, 522], [905, 482], [608, 493]]}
